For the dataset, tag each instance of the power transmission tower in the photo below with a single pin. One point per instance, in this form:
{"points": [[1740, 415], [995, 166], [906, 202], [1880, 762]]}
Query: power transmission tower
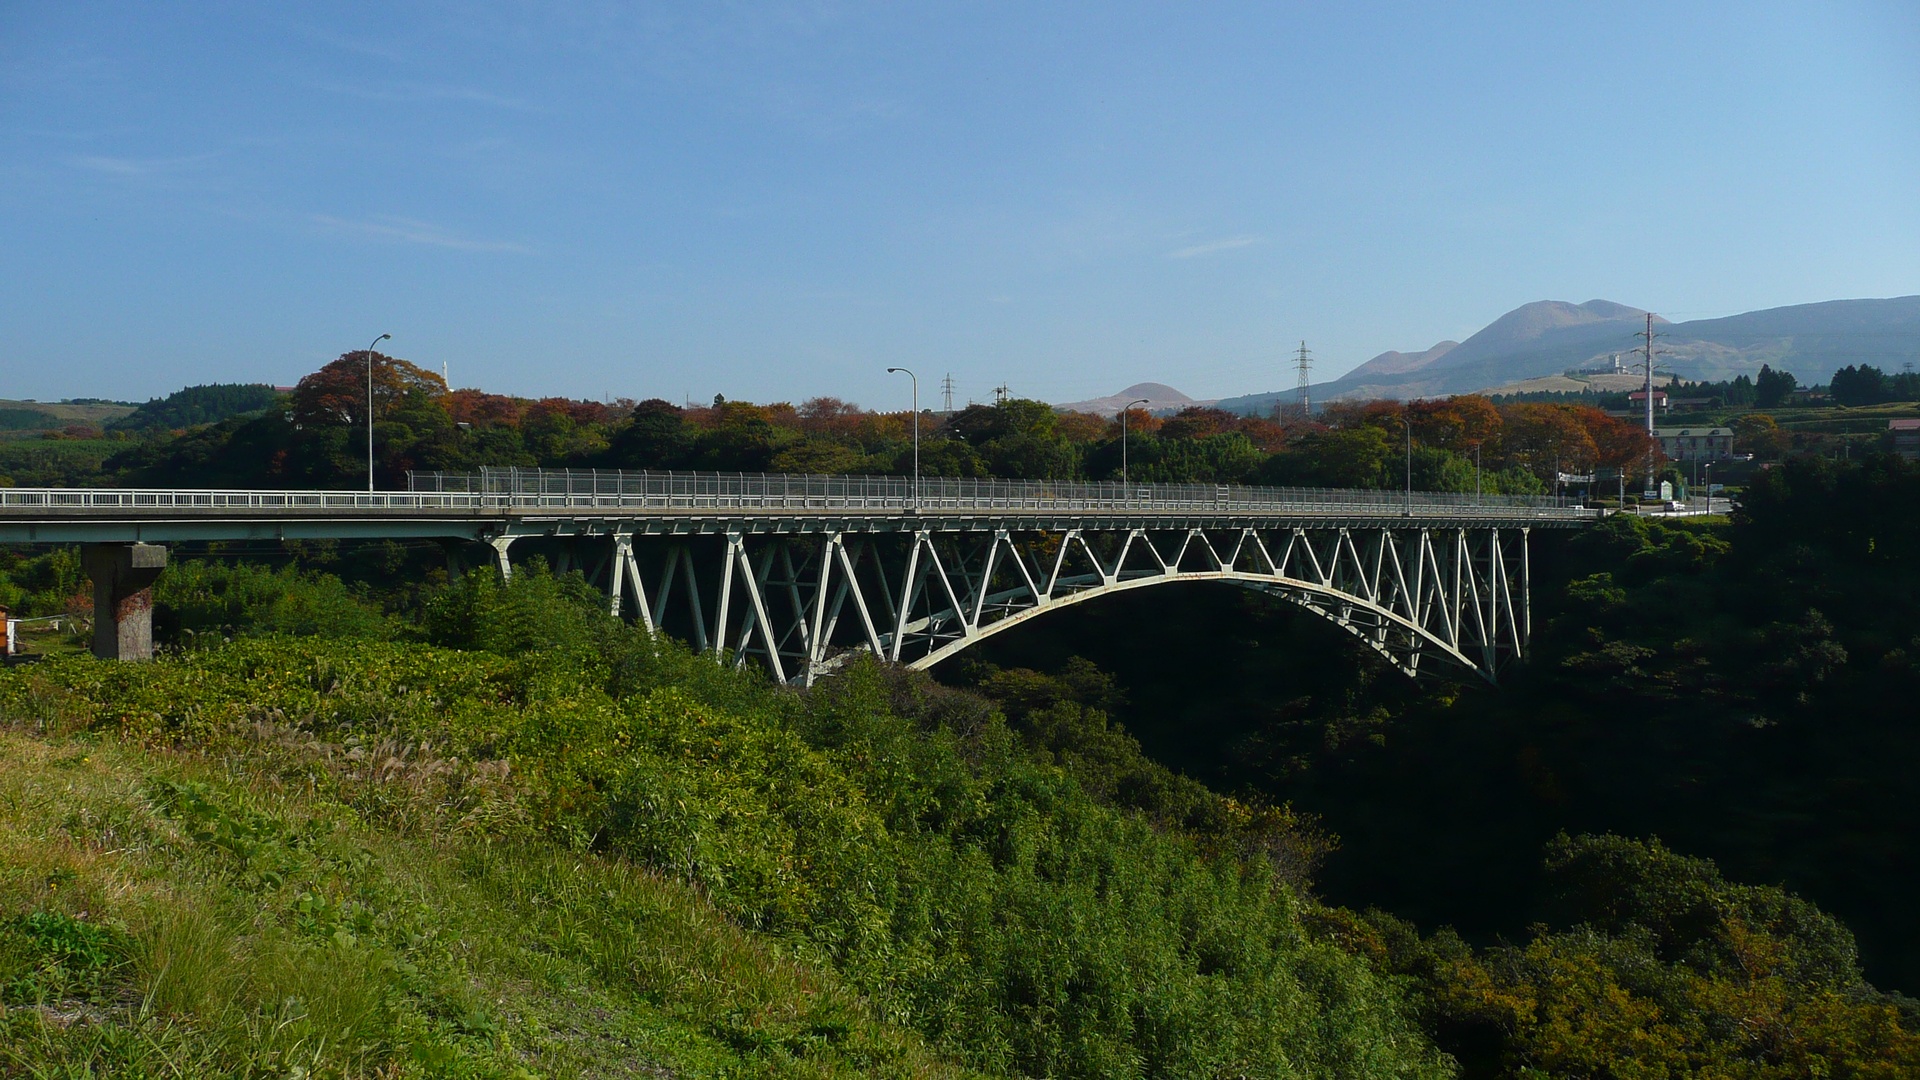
{"points": [[946, 393], [1304, 360], [1000, 394]]}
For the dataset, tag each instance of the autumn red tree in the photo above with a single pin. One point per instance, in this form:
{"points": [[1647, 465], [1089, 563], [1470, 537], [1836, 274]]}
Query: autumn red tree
{"points": [[1540, 437], [337, 393], [1458, 423]]}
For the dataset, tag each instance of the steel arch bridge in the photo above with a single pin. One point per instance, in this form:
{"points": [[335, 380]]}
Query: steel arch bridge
{"points": [[801, 604], [800, 572]]}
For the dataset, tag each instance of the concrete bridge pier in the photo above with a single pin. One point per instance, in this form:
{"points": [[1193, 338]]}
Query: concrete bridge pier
{"points": [[123, 577]]}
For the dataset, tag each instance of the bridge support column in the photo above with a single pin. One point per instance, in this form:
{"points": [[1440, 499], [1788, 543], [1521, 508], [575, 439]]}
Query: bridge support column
{"points": [[500, 544], [123, 576]]}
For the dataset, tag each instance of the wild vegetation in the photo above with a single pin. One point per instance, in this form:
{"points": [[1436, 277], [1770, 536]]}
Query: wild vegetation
{"points": [[1001, 880], [1739, 691], [364, 819], [901, 837], [197, 405]]}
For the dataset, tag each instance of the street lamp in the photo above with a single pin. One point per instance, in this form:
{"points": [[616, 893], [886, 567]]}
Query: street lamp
{"points": [[1125, 491], [1476, 474], [376, 341], [1408, 424], [916, 430]]}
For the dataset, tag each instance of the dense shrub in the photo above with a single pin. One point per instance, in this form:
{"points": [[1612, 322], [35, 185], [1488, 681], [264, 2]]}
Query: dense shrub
{"points": [[969, 890], [196, 598]]}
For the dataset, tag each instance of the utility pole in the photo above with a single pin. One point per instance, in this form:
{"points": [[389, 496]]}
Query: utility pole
{"points": [[1408, 512], [1652, 440], [376, 341], [1649, 336], [946, 394], [916, 431], [1126, 491], [1304, 399]]}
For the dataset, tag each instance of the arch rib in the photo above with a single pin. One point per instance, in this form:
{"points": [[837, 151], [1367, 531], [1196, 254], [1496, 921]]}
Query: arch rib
{"points": [[1283, 587]]}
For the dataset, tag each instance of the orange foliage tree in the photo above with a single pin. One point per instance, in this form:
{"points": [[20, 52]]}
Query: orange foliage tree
{"points": [[337, 393]]}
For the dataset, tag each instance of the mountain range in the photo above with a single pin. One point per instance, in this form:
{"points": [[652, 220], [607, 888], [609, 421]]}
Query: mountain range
{"points": [[1549, 337]]}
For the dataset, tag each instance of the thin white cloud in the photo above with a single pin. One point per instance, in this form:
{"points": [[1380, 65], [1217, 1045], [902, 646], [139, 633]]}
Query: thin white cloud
{"points": [[120, 166], [1213, 247], [357, 46], [425, 92], [410, 231]]}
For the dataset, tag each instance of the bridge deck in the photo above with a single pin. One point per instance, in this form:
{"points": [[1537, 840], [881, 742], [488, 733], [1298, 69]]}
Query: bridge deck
{"points": [[535, 503]]}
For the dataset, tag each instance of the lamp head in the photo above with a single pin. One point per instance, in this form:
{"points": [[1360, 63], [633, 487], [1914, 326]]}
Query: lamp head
{"points": [[894, 370], [384, 337]]}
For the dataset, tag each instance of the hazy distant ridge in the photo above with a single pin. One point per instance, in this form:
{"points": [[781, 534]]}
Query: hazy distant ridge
{"points": [[1548, 337]]}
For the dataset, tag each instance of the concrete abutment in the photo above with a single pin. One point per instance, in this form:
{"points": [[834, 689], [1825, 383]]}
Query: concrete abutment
{"points": [[123, 577]]}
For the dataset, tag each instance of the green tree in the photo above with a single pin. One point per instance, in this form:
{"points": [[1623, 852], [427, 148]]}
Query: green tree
{"points": [[1772, 388], [1353, 457], [1863, 385], [656, 436]]}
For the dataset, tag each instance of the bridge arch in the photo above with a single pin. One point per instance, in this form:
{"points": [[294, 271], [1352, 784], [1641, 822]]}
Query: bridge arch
{"points": [[1427, 599], [1377, 627]]}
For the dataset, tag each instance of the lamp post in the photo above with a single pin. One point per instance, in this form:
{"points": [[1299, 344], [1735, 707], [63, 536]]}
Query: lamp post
{"points": [[376, 341], [1708, 469], [916, 431], [1476, 474], [1126, 492], [1408, 424]]}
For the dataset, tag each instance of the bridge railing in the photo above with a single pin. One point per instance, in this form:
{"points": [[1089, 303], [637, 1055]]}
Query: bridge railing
{"points": [[795, 491], [506, 490], [126, 499]]}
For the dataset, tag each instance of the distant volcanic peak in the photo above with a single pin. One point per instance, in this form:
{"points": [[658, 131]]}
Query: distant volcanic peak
{"points": [[1394, 363], [1154, 391], [1607, 309], [1531, 321], [1160, 398]]}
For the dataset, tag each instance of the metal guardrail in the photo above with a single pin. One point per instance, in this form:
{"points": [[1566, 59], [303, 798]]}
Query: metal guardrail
{"points": [[700, 490], [497, 491]]}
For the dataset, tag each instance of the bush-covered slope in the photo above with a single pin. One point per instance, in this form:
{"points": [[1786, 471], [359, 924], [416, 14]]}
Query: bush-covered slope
{"points": [[190, 915], [895, 834]]}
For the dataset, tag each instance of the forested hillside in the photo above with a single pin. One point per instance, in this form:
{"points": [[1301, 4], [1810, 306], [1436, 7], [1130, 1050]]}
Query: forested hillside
{"points": [[961, 887], [1741, 691], [884, 875], [198, 405], [363, 819], [315, 437], [226, 436]]}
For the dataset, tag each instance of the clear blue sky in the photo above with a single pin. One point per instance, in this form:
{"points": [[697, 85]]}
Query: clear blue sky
{"points": [[774, 201]]}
